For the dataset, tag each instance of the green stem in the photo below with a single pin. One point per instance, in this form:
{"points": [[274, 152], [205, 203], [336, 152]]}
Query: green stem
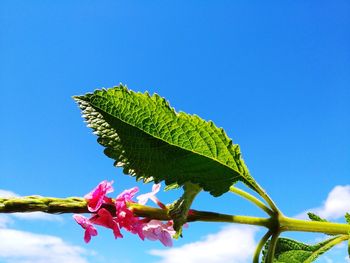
{"points": [[267, 198], [252, 199], [326, 247], [260, 246], [204, 216], [272, 247], [37, 203], [79, 205], [291, 224]]}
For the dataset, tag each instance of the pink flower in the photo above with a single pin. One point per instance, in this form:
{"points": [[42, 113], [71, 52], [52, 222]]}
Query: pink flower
{"points": [[152, 195], [104, 218], [90, 230], [125, 217], [124, 197], [156, 230], [131, 223], [97, 196]]}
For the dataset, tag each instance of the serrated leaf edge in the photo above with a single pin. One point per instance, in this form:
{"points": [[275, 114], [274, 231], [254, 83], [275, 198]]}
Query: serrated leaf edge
{"points": [[237, 157]]}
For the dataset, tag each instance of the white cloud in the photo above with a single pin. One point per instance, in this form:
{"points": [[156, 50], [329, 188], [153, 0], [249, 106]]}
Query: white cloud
{"points": [[335, 206], [6, 193], [38, 216], [234, 244], [5, 220], [328, 260], [27, 247]]}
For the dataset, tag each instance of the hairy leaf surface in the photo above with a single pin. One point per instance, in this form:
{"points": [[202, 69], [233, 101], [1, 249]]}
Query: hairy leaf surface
{"points": [[314, 217], [292, 251], [152, 142], [347, 218]]}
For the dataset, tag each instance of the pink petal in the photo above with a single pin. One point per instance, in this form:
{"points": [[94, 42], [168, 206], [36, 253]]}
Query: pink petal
{"points": [[97, 196], [166, 239], [156, 230], [156, 188], [142, 199], [124, 216], [128, 194], [124, 197], [131, 223], [85, 223], [104, 218]]}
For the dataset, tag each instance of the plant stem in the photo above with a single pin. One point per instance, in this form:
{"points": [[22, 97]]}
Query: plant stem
{"points": [[260, 246], [267, 198], [37, 203], [252, 199], [78, 205], [204, 216], [272, 247], [291, 224], [326, 247]]}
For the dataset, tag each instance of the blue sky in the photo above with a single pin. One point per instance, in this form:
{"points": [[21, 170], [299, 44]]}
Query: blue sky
{"points": [[274, 74]]}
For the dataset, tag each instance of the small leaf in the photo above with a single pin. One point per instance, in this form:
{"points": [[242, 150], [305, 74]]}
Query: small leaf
{"points": [[171, 187], [347, 218], [152, 142], [179, 209], [292, 251], [315, 217]]}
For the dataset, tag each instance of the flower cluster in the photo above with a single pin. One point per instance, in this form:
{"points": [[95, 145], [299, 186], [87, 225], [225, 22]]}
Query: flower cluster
{"points": [[123, 217]]}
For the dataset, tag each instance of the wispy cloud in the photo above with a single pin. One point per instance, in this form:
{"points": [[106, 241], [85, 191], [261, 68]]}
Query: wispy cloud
{"points": [[5, 220], [335, 206], [6, 193], [38, 216], [27, 247], [234, 244]]}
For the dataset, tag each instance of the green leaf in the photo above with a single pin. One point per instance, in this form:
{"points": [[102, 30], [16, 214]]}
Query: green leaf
{"points": [[179, 209], [292, 251], [347, 218], [314, 217], [152, 142]]}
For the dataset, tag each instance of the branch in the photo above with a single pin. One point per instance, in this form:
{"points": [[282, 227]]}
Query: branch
{"points": [[79, 205], [252, 199], [54, 205], [36, 203]]}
